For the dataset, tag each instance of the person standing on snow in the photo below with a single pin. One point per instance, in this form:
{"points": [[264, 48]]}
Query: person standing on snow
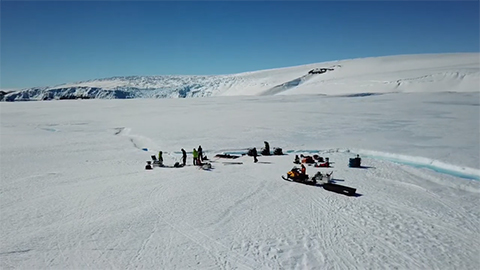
{"points": [[266, 150], [254, 154], [160, 158], [200, 153], [184, 157], [195, 156]]}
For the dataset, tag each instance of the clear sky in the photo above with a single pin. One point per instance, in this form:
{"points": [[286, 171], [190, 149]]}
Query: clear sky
{"points": [[49, 43]]}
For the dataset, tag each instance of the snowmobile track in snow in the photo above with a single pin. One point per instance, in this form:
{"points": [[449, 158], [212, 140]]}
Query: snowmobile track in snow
{"points": [[219, 252]]}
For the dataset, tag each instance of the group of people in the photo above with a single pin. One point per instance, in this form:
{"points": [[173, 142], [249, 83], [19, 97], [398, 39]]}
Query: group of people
{"points": [[265, 151], [198, 157]]}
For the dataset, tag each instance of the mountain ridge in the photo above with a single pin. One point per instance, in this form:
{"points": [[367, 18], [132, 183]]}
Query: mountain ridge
{"points": [[457, 72]]}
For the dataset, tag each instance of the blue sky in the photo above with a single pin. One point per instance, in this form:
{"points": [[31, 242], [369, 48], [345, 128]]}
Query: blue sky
{"points": [[49, 43]]}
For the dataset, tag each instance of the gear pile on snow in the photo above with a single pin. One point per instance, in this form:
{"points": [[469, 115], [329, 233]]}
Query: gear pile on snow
{"points": [[158, 163], [355, 162]]}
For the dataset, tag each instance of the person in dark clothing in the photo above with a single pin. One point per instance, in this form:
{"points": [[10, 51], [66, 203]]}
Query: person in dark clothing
{"points": [[266, 150], [254, 154], [184, 157], [148, 166], [200, 153], [160, 158]]}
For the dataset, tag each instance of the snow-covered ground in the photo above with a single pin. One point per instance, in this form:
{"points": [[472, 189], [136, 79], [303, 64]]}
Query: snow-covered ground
{"points": [[74, 193], [392, 74]]}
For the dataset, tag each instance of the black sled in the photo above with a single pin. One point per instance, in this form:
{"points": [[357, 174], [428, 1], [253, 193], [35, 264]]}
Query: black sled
{"points": [[349, 191]]}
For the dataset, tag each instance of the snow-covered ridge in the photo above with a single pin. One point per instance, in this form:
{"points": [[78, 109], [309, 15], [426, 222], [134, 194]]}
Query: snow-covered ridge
{"points": [[458, 72]]}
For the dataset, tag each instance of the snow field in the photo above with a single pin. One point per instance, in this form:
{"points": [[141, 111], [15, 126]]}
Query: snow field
{"points": [[75, 195]]}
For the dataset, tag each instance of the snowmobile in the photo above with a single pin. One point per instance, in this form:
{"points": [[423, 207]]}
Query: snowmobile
{"points": [[295, 175], [319, 179]]}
